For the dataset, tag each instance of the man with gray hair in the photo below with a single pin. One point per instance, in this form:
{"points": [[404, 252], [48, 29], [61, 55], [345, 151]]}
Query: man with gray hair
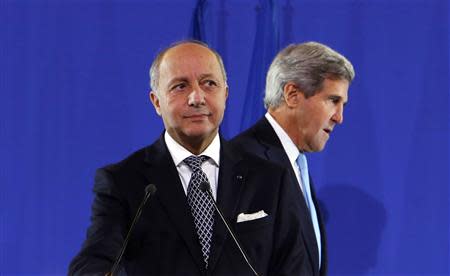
{"points": [[306, 91]]}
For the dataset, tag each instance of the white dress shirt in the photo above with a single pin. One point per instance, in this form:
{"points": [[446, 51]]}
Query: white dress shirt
{"points": [[210, 167]]}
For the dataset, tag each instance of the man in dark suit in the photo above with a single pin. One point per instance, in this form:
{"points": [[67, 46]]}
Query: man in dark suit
{"points": [[179, 232], [306, 90]]}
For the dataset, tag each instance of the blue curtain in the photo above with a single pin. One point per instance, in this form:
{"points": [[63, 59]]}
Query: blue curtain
{"points": [[265, 47], [198, 24], [74, 90]]}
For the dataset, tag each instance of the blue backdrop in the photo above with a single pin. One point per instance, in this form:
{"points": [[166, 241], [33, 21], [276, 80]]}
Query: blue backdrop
{"points": [[74, 98]]}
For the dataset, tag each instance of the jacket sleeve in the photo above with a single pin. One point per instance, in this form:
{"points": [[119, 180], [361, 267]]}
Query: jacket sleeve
{"points": [[105, 235]]}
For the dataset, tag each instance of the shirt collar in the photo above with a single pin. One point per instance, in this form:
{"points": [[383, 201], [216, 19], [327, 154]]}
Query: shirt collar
{"points": [[289, 147], [179, 153]]}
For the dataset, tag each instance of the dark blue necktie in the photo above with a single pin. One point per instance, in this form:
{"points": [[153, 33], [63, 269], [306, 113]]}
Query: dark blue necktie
{"points": [[201, 204]]}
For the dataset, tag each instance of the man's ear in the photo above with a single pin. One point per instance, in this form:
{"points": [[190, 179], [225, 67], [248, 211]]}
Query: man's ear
{"points": [[292, 94], [155, 101]]}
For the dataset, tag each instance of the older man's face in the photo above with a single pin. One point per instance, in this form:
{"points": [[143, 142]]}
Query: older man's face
{"points": [[317, 115], [191, 93]]}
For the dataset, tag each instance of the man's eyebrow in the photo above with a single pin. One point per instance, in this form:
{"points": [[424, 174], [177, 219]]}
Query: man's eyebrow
{"points": [[335, 97]]}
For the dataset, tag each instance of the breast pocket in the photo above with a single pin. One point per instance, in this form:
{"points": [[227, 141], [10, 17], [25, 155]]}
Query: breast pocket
{"points": [[255, 225]]}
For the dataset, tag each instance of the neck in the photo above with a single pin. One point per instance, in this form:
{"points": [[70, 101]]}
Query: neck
{"points": [[287, 122], [196, 145]]}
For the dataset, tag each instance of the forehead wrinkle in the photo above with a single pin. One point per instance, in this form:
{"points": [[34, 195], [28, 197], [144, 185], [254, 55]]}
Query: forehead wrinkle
{"points": [[207, 75], [186, 79]]}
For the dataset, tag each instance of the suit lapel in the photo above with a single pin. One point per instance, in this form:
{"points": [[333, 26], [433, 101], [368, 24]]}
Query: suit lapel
{"points": [[231, 183], [162, 172], [274, 152]]}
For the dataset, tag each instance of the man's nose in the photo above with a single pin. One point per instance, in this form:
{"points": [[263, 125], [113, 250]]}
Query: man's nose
{"points": [[197, 96], [338, 116]]}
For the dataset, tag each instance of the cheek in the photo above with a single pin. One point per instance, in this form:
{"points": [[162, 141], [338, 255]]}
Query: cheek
{"points": [[175, 104], [217, 104], [322, 116], [221, 106], [171, 114], [316, 124]]}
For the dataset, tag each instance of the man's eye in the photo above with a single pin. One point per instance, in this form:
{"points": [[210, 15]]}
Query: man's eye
{"points": [[178, 87], [210, 83], [335, 100]]}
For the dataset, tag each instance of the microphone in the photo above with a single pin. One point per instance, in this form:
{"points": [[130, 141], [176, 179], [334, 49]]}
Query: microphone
{"points": [[150, 189], [204, 187]]}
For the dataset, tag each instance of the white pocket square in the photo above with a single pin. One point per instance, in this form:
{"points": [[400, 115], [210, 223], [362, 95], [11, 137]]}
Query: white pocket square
{"points": [[246, 217]]}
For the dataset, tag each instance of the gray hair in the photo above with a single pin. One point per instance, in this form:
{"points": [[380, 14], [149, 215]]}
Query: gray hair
{"points": [[154, 69], [307, 65]]}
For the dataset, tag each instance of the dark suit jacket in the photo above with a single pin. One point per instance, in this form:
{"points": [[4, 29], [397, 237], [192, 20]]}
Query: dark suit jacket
{"points": [[165, 241], [262, 140]]}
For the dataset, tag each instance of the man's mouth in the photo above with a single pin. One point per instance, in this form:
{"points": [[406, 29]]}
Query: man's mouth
{"points": [[196, 115], [327, 130]]}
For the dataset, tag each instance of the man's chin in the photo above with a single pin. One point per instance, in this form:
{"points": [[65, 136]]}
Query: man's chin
{"points": [[200, 133], [316, 147], [320, 147]]}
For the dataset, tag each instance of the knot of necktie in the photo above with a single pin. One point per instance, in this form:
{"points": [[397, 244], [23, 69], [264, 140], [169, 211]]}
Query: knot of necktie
{"points": [[195, 162]]}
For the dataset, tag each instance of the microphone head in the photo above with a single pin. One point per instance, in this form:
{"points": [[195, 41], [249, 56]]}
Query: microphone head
{"points": [[204, 186], [150, 189]]}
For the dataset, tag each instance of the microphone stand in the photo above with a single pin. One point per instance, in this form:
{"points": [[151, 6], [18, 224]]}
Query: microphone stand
{"points": [[149, 190], [204, 186]]}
